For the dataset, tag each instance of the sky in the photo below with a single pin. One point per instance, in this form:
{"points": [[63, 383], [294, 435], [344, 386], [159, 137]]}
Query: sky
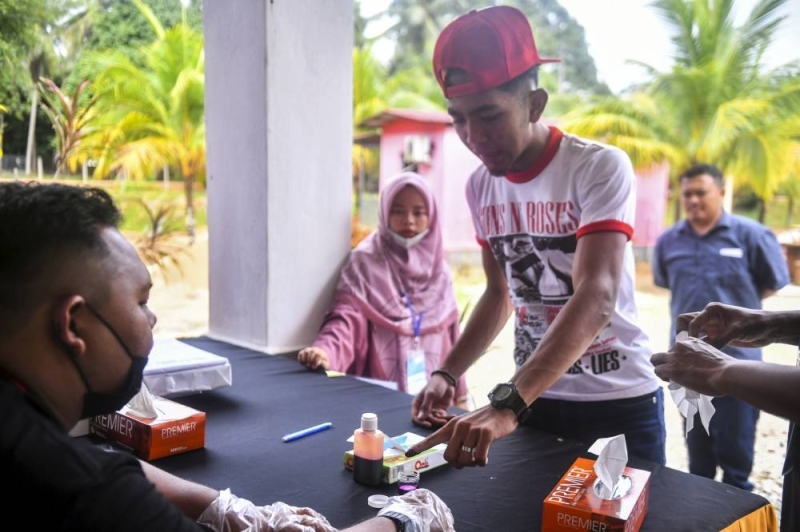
{"points": [[633, 31]]}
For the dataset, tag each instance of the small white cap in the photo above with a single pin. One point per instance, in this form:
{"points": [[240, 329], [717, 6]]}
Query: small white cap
{"points": [[369, 421], [378, 500]]}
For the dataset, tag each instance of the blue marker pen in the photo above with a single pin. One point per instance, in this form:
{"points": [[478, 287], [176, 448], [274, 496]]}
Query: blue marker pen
{"points": [[306, 432]]}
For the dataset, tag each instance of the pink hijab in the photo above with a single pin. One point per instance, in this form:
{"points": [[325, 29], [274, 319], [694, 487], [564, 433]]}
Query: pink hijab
{"points": [[380, 272]]}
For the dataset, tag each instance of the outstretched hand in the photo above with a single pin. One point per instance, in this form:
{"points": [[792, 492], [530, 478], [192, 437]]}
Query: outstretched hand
{"points": [[469, 436], [429, 408], [726, 325], [694, 364]]}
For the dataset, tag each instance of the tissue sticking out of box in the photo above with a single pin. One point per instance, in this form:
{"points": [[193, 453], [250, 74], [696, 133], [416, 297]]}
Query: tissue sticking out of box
{"points": [[612, 457], [142, 405], [690, 402]]}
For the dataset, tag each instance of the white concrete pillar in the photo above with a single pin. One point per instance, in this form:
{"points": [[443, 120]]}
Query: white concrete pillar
{"points": [[278, 132]]}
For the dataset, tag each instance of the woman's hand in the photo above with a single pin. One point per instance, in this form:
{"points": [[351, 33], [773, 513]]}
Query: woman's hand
{"points": [[313, 358]]}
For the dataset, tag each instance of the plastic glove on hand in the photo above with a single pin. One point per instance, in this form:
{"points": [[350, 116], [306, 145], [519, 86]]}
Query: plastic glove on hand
{"points": [[424, 509], [229, 513]]}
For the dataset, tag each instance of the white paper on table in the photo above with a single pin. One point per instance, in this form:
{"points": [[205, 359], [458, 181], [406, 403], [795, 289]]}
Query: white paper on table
{"points": [[612, 457], [690, 402], [177, 368]]}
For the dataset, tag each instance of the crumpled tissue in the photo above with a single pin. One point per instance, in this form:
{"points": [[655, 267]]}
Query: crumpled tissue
{"points": [[690, 402], [612, 457], [142, 404]]}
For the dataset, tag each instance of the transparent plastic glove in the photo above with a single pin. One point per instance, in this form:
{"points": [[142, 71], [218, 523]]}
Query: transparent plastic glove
{"points": [[229, 513], [427, 512], [285, 518]]}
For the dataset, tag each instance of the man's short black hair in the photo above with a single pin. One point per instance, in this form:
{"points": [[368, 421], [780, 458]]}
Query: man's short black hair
{"points": [[522, 84], [40, 224], [704, 169]]}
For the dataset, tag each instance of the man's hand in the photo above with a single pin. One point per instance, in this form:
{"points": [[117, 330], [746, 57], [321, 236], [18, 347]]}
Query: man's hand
{"points": [[726, 324], [429, 408], [694, 364], [313, 358], [469, 436]]}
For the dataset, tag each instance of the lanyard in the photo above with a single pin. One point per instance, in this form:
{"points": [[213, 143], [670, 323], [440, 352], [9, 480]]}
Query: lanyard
{"points": [[416, 319]]}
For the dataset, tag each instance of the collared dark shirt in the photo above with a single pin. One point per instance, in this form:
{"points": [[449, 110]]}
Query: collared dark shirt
{"points": [[733, 264]]}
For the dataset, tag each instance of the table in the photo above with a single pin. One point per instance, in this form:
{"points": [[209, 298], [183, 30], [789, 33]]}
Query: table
{"points": [[274, 395]]}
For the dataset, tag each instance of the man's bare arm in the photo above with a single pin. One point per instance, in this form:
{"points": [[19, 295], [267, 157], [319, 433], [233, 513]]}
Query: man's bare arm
{"points": [[190, 498], [486, 321]]}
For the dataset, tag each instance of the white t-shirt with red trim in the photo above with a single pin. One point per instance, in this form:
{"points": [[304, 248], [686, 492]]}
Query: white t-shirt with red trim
{"points": [[532, 222]]}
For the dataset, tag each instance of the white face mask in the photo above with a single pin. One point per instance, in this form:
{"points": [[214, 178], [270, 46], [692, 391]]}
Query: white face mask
{"points": [[408, 242]]}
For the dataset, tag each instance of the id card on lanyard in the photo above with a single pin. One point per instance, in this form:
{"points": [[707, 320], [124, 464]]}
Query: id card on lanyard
{"points": [[416, 377]]}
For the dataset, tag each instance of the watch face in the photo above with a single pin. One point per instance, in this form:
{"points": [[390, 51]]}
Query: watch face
{"points": [[501, 392]]}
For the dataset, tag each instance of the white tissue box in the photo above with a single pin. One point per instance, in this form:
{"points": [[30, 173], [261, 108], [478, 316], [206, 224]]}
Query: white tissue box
{"points": [[573, 505], [176, 429]]}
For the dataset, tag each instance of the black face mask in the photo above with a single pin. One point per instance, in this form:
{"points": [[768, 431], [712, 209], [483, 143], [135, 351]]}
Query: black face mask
{"points": [[97, 403]]}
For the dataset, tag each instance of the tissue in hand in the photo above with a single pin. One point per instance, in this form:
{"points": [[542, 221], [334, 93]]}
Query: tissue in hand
{"points": [[152, 426], [601, 494], [690, 402]]}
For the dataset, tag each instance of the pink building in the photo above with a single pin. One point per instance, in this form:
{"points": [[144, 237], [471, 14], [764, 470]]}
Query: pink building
{"points": [[427, 140]]}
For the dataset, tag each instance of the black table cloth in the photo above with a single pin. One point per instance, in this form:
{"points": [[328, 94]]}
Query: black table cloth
{"points": [[273, 395]]}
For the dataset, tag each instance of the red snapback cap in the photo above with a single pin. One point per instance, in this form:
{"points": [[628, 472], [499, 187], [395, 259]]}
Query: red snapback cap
{"points": [[490, 46]]}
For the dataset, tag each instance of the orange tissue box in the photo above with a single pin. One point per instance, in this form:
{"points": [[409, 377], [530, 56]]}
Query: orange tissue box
{"points": [[175, 429], [573, 504]]}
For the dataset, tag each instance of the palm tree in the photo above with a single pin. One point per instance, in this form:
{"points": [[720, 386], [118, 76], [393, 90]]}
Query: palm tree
{"points": [[71, 119], [717, 104], [153, 115]]}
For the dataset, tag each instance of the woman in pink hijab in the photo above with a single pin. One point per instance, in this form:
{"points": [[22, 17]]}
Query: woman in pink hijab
{"points": [[394, 315]]}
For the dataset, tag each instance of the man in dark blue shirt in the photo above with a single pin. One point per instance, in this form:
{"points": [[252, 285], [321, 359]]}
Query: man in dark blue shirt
{"points": [[715, 256]]}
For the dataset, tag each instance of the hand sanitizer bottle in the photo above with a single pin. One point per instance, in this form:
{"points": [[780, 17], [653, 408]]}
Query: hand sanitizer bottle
{"points": [[368, 452]]}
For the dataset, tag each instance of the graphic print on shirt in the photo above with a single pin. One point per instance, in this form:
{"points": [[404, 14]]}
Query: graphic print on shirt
{"points": [[539, 283], [538, 271]]}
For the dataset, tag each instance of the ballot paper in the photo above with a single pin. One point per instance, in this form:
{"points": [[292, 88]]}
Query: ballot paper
{"points": [[690, 402]]}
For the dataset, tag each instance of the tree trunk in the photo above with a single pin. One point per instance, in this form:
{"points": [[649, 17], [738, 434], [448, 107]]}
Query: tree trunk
{"points": [[762, 210], [789, 209], [30, 151]]}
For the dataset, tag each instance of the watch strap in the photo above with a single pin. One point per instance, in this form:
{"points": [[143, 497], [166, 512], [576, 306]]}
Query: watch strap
{"points": [[515, 403], [400, 520]]}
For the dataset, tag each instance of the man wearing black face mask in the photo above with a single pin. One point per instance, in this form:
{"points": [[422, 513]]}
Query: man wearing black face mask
{"points": [[97, 403], [75, 333]]}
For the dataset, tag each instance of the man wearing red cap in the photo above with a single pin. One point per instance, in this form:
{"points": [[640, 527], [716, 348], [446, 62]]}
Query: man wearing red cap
{"points": [[583, 368]]}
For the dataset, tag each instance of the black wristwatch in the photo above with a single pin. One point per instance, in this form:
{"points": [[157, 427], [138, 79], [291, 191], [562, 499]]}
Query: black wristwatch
{"points": [[505, 395]]}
